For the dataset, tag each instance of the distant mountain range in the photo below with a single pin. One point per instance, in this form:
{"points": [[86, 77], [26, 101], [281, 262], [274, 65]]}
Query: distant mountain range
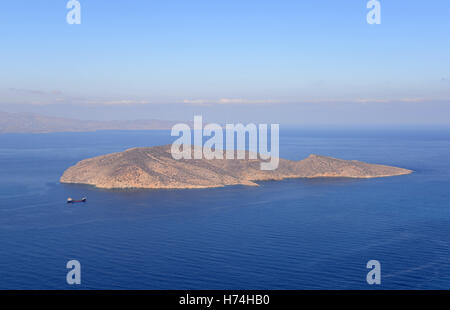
{"points": [[36, 123]]}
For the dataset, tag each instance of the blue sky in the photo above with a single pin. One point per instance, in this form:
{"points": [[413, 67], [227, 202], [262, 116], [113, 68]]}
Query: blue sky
{"points": [[280, 61]]}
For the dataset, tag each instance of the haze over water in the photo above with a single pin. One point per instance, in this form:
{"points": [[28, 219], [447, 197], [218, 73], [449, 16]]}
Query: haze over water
{"points": [[292, 234]]}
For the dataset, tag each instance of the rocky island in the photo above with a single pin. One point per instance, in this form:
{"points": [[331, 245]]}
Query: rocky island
{"points": [[154, 168]]}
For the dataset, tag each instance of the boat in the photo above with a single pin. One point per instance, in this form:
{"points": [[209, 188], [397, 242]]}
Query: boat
{"points": [[70, 200]]}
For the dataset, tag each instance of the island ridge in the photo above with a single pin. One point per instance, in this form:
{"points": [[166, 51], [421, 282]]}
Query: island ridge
{"points": [[154, 167]]}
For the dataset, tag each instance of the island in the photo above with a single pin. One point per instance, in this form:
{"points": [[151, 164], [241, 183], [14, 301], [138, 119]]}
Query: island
{"points": [[154, 168]]}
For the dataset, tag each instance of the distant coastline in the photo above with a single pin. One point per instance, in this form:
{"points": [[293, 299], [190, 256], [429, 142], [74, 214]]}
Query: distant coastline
{"points": [[37, 123]]}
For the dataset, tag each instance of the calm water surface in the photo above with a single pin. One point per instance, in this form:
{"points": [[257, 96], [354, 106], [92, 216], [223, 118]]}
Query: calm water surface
{"points": [[293, 234]]}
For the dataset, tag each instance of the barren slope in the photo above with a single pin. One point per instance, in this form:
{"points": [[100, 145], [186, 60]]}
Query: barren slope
{"points": [[155, 168]]}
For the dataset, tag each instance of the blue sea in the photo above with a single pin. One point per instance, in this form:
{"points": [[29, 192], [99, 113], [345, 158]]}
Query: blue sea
{"points": [[292, 234]]}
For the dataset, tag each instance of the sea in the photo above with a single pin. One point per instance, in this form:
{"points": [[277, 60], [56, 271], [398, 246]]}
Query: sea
{"points": [[291, 234]]}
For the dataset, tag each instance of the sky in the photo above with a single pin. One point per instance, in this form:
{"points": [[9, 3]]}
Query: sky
{"points": [[285, 61]]}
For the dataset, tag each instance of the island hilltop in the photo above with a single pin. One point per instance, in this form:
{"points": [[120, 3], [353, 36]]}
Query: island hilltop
{"points": [[154, 167]]}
